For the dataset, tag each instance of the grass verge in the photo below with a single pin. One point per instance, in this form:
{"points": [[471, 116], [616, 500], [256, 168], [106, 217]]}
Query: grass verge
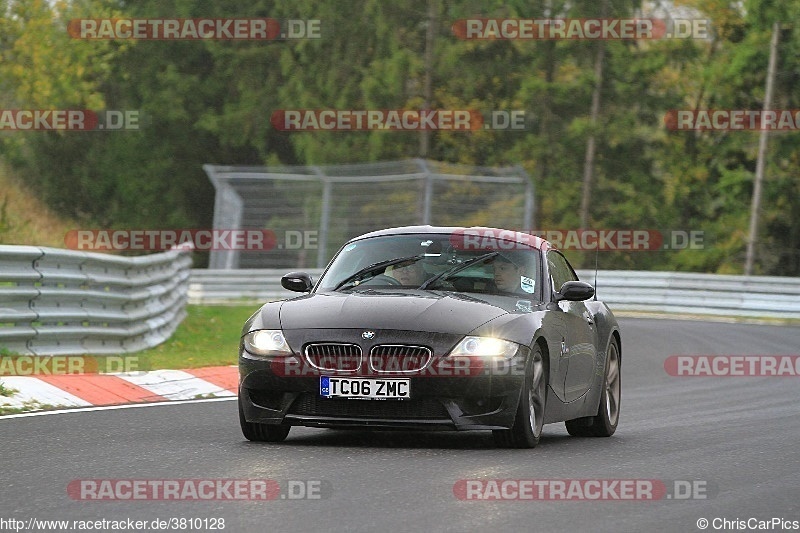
{"points": [[6, 391], [27, 407], [209, 336]]}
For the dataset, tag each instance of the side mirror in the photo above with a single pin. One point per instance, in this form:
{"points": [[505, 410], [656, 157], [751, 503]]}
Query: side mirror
{"points": [[297, 282], [575, 291]]}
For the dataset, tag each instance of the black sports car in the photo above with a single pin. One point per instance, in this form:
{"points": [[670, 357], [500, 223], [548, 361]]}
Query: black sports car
{"points": [[434, 328]]}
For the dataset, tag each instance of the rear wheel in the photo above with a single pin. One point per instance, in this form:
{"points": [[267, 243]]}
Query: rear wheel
{"points": [[262, 432], [528, 423], [604, 423]]}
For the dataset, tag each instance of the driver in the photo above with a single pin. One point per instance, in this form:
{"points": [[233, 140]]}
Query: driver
{"points": [[411, 273]]}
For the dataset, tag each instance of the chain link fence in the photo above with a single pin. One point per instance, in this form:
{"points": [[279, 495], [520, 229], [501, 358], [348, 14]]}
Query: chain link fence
{"points": [[313, 210]]}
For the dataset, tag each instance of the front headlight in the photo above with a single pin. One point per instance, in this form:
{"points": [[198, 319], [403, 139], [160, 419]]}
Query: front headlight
{"points": [[485, 347], [267, 343]]}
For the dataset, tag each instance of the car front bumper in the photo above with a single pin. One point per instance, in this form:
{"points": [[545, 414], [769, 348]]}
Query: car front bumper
{"points": [[464, 400]]}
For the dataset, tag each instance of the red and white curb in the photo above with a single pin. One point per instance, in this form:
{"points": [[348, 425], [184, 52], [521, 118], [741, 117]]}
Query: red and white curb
{"points": [[86, 390]]}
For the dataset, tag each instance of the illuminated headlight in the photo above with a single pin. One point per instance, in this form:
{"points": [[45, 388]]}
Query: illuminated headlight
{"points": [[486, 347], [267, 343]]}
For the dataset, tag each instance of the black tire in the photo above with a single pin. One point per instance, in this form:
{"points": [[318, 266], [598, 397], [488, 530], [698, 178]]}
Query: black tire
{"points": [[528, 423], [262, 432], [605, 422]]}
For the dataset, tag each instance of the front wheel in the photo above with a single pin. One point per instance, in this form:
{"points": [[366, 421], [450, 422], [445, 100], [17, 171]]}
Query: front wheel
{"points": [[262, 432], [527, 428], [604, 423]]}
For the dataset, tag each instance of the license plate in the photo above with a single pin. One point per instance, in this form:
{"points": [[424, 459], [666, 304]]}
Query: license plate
{"points": [[364, 388]]}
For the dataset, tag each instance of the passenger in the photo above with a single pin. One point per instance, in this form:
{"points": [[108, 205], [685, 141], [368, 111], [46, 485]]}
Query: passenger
{"points": [[509, 276]]}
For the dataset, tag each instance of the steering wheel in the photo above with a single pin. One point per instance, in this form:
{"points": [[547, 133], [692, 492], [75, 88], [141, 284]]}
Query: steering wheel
{"points": [[383, 279]]}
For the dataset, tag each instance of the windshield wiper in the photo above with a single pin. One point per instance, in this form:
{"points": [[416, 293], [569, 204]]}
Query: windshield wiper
{"points": [[375, 267], [457, 268]]}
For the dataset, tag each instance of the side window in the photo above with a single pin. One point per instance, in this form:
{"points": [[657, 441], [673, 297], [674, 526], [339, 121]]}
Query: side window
{"points": [[560, 271]]}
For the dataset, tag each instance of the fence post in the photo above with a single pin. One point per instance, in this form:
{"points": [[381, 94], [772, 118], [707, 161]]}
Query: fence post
{"points": [[324, 219], [530, 190], [427, 199]]}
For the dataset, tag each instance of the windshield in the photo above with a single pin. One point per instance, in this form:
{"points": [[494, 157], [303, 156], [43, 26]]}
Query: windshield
{"points": [[434, 262]]}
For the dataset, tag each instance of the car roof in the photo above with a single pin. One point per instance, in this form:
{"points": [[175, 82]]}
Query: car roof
{"points": [[480, 232]]}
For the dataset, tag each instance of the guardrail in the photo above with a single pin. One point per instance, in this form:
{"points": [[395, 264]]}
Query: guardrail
{"points": [[62, 302], [702, 294], [663, 292], [219, 286]]}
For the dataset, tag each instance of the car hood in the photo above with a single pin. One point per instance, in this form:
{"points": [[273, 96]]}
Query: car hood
{"points": [[400, 310]]}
